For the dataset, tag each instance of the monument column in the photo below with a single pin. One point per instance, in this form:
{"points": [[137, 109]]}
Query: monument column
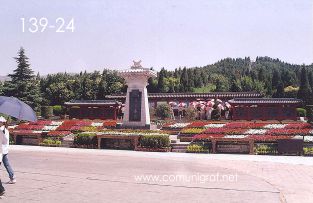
{"points": [[136, 105]]}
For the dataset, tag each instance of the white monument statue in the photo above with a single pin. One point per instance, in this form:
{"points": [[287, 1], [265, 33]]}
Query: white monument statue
{"points": [[136, 106]]}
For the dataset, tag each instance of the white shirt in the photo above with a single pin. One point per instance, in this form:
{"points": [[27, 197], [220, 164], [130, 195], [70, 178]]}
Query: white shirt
{"points": [[5, 140]]}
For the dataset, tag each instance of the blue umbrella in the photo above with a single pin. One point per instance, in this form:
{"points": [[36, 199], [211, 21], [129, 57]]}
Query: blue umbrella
{"points": [[16, 108]]}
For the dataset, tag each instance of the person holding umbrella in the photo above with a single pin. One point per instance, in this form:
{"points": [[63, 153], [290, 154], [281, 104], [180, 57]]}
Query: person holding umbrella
{"points": [[5, 149], [2, 190], [14, 107]]}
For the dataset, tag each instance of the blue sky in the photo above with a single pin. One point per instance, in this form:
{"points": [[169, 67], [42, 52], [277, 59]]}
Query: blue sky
{"points": [[164, 33]]}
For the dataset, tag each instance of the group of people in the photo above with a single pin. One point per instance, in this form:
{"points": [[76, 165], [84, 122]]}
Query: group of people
{"points": [[210, 110], [5, 140]]}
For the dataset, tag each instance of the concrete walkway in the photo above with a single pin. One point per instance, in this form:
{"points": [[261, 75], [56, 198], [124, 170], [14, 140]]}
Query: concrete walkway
{"points": [[83, 175]]}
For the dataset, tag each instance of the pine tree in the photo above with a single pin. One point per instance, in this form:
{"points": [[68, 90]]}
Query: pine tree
{"points": [[161, 81], [276, 79], [184, 81], [310, 77], [305, 91], [280, 91], [24, 84]]}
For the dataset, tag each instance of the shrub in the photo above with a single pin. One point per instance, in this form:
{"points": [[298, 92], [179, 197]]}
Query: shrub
{"points": [[46, 111], [309, 109], [191, 113], [196, 148], [163, 111], [85, 139], [58, 110], [301, 112], [265, 149], [192, 130], [308, 150], [50, 141], [154, 141]]}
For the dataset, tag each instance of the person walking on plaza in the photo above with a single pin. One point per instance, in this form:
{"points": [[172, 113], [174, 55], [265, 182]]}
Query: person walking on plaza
{"points": [[2, 190], [5, 149]]}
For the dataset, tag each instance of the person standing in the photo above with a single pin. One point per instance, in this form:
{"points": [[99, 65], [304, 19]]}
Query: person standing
{"points": [[5, 149]]}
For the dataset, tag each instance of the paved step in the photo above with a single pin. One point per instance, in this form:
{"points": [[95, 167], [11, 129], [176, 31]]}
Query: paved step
{"points": [[180, 147], [179, 150]]}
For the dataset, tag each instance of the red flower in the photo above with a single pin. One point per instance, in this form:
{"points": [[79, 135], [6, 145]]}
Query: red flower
{"points": [[109, 123], [245, 125], [284, 131], [298, 126], [41, 122], [59, 133], [198, 124], [265, 138]]}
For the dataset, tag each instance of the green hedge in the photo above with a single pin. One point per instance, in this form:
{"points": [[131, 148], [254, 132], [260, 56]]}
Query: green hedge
{"points": [[154, 141], [46, 111], [301, 112], [50, 141], [85, 139], [58, 110], [196, 148]]}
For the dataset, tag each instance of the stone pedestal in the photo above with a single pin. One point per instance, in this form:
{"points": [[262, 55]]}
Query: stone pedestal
{"points": [[136, 113]]}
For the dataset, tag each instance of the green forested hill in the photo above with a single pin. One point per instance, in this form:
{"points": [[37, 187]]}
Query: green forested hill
{"points": [[271, 77], [265, 75]]}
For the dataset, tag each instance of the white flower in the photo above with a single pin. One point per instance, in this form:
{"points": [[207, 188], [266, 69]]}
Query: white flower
{"points": [[37, 131], [298, 137], [256, 131], [179, 125], [308, 138], [275, 126], [12, 126], [214, 125], [96, 124], [235, 136], [50, 127], [58, 123]]}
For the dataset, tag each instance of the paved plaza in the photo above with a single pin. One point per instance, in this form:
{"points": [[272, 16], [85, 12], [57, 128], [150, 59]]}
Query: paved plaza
{"points": [[86, 175]]}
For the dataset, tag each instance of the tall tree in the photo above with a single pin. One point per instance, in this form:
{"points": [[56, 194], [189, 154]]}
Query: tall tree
{"points": [[184, 81], [305, 91], [24, 84], [162, 87]]}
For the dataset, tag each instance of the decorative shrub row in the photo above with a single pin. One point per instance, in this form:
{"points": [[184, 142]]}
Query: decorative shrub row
{"points": [[197, 148], [87, 139], [154, 141]]}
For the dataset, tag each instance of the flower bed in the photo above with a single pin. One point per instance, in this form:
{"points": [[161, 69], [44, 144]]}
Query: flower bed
{"points": [[256, 131], [229, 131], [215, 125], [41, 122], [275, 126], [205, 137], [298, 126], [192, 130], [198, 124], [109, 123], [59, 133], [50, 127], [268, 138], [245, 125], [289, 132], [178, 125]]}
